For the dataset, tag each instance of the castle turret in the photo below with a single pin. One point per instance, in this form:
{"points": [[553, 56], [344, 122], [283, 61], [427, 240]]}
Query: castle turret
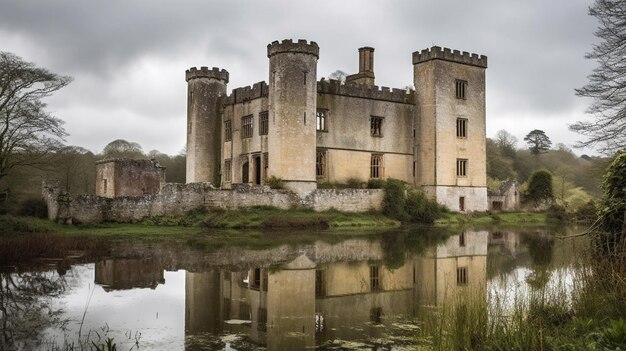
{"points": [[366, 68], [449, 123], [206, 88], [292, 108]]}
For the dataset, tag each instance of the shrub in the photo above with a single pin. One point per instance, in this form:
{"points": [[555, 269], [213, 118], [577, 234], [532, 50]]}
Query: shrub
{"points": [[326, 185], [374, 183], [409, 205], [354, 183], [557, 212], [587, 212], [275, 182], [614, 204], [540, 188], [421, 209], [394, 199], [33, 207]]}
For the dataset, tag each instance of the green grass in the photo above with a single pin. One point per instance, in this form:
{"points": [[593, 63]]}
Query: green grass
{"points": [[271, 218], [501, 218]]}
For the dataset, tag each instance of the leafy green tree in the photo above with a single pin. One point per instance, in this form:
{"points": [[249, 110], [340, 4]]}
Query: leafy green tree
{"points": [[28, 134], [540, 188], [607, 83], [175, 166], [121, 148], [613, 208], [538, 142]]}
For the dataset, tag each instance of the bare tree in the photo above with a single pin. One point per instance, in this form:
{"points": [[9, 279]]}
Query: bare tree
{"points": [[506, 142], [338, 75], [607, 83], [27, 132]]}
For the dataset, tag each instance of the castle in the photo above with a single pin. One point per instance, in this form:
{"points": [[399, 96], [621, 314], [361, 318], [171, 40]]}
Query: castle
{"points": [[306, 131]]}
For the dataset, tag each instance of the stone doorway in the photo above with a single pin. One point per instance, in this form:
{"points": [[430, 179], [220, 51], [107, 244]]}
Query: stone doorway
{"points": [[245, 172], [257, 170]]}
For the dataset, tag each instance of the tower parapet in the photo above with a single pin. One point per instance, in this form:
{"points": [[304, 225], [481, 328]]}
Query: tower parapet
{"points": [[242, 94], [374, 92], [447, 54], [205, 72], [287, 45]]}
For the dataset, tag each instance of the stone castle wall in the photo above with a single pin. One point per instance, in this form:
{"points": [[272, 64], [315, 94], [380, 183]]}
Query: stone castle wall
{"points": [[176, 199]]}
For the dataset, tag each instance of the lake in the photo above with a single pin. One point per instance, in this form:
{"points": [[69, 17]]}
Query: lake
{"points": [[358, 292]]}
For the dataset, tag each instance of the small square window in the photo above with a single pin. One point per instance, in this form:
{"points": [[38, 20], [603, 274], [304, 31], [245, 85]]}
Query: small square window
{"points": [[376, 126], [461, 89], [263, 123], [461, 167], [461, 127]]}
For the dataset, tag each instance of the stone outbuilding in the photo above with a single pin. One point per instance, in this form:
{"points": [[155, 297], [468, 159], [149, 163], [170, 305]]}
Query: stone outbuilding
{"points": [[126, 177], [507, 198]]}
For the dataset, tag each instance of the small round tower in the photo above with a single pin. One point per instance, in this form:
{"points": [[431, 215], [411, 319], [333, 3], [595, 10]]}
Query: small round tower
{"points": [[292, 109], [205, 90]]}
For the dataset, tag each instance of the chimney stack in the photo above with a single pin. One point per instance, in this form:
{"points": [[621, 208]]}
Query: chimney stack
{"points": [[366, 68]]}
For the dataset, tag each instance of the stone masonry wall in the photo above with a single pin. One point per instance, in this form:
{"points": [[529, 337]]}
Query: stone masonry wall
{"points": [[176, 199]]}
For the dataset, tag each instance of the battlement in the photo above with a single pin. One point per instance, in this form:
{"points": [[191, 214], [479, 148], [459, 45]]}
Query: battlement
{"points": [[287, 45], [333, 86], [243, 94], [446, 54], [205, 72]]}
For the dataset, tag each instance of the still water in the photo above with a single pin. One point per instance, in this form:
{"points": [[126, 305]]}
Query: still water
{"points": [[366, 293]]}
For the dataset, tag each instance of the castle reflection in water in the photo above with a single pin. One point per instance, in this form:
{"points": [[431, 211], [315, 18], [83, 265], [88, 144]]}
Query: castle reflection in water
{"points": [[324, 292]]}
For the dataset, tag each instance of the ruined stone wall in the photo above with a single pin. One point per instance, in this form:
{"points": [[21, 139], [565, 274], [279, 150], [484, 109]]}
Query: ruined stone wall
{"points": [[346, 200], [176, 199], [105, 179]]}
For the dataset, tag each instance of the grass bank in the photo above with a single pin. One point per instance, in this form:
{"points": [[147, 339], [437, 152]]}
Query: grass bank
{"points": [[520, 218], [271, 218]]}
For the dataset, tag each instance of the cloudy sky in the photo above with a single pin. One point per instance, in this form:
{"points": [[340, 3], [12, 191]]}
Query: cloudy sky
{"points": [[128, 57]]}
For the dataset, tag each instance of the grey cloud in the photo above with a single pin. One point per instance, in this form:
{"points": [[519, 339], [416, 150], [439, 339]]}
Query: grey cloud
{"points": [[535, 50]]}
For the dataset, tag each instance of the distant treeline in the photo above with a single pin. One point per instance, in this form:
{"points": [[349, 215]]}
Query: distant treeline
{"points": [[576, 180]]}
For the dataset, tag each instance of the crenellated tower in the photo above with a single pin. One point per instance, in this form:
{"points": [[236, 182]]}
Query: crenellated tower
{"points": [[449, 124], [292, 108], [206, 89]]}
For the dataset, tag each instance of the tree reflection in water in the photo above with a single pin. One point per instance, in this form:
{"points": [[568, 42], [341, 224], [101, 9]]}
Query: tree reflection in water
{"points": [[26, 308]]}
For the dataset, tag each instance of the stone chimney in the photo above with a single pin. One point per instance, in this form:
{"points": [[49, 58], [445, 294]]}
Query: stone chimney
{"points": [[366, 68]]}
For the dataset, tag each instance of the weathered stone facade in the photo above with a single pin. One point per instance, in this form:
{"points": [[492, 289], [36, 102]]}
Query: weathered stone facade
{"points": [[306, 131], [125, 177]]}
